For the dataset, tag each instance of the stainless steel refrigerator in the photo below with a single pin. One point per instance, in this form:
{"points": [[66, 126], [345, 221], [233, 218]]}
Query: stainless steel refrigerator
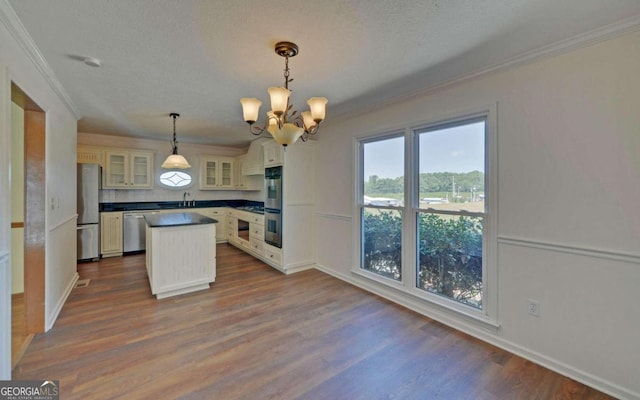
{"points": [[88, 212]]}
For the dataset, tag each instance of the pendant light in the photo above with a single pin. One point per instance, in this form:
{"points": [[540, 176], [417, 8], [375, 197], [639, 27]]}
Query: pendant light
{"points": [[175, 160]]}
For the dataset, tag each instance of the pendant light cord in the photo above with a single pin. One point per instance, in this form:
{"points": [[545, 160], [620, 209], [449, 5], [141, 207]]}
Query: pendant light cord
{"points": [[175, 140]]}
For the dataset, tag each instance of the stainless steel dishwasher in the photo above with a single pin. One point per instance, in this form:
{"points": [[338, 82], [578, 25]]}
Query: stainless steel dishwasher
{"points": [[135, 230]]}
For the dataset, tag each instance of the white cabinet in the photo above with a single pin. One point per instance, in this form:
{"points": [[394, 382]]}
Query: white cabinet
{"points": [[90, 155], [128, 170], [273, 153], [180, 259], [111, 234], [246, 231], [246, 182], [216, 172], [219, 214], [232, 228], [273, 256]]}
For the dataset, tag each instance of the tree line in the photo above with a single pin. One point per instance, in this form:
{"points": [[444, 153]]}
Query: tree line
{"points": [[429, 182]]}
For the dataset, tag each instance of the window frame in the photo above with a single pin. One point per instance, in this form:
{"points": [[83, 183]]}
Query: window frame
{"points": [[488, 315], [182, 171], [360, 206]]}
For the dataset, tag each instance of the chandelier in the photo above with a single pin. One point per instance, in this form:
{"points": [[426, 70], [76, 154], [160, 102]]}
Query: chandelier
{"points": [[175, 160], [283, 122]]}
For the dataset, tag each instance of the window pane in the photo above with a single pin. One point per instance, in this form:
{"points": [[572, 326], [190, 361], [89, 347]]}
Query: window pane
{"points": [[175, 178], [452, 168], [383, 172], [382, 241], [450, 257]]}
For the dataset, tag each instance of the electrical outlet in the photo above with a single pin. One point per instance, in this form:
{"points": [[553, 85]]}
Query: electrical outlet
{"points": [[533, 307]]}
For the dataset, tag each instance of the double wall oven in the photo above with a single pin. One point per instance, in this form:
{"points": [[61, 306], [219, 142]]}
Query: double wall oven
{"points": [[273, 206]]}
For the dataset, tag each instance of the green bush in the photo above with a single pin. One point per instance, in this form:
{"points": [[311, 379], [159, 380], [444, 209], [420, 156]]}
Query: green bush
{"points": [[382, 243], [450, 252], [451, 257]]}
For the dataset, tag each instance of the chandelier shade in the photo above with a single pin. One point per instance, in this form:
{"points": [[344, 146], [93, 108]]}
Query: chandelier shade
{"points": [[250, 109], [175, 160], [283, 122]]}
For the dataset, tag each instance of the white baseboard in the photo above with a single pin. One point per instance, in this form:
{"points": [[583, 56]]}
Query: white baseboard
{"points": [[51, 319], [452, 320]]}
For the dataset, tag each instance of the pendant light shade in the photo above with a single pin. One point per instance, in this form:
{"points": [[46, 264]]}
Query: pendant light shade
{"points": [[175, 160]]}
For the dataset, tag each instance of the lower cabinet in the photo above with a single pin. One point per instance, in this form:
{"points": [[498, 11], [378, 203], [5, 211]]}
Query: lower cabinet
{"points": [[111, 234], [245, 231], [220, 215], [273, 256]]}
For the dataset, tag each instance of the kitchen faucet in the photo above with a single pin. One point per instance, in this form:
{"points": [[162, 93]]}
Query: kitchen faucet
{"points": [[184, 199]]}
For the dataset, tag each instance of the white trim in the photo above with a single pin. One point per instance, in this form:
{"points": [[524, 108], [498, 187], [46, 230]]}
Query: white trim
{"points": [[51, 319], [63, 222], [339, 217], [571, 249], [299, 204], [297, 267], [486, 332], [12, 22]]}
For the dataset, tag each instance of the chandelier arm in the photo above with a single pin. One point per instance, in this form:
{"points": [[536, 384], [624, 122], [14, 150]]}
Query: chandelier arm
{"points": [[257, 130], [314, 129]]}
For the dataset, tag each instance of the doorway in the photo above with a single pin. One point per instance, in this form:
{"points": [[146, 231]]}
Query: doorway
{"points": [[28, 123]]}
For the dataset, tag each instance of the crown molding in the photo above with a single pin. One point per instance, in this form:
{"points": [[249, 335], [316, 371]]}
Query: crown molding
{"points": [[10, 20], [563, 46]]}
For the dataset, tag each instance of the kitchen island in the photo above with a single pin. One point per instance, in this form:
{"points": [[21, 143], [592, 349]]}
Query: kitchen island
{"points": [[181, 252]]}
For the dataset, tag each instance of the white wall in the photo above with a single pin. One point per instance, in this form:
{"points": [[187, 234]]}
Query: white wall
{"points": [[20, 59], [568, 197], [162, 149], [5, 229]]}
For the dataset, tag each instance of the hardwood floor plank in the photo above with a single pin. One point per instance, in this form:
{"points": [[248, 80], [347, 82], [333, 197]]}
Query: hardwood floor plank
{"points": [[258, 334]]}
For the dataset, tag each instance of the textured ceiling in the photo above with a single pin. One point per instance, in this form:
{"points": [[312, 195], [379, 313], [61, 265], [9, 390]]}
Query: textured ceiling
{"points": [[199, 57]]}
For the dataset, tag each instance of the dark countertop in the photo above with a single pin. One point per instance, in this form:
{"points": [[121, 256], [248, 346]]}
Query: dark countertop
{"points": [[175, 205], [177, 219]]}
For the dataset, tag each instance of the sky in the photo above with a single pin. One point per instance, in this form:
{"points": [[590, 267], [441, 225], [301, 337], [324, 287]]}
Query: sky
{"points": [[455, 149]]}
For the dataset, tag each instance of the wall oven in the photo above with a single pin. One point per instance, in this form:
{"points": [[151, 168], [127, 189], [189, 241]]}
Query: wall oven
{"points": [[273, 206], [273, 188], [273, 227]]}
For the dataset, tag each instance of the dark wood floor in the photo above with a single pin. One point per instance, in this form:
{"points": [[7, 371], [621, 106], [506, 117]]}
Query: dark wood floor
{"points": [[19, 338], [258, 334]]}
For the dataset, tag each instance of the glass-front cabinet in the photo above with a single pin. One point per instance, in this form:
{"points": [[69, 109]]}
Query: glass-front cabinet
{"points": [[128, 170], [216, 173]]}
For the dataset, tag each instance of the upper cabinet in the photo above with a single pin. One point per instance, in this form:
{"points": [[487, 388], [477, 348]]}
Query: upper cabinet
{"points": [[216, 172], [273, 153], [246, 182], [90, 155], [128, 169]]}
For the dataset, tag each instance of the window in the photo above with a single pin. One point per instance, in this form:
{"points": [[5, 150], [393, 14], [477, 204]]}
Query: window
{"points": [[451, 209], [175, 179], [434, 245], [381, 206]]}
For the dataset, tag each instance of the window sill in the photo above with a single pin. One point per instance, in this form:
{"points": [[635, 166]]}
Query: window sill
{"points": [[430, 305]]}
